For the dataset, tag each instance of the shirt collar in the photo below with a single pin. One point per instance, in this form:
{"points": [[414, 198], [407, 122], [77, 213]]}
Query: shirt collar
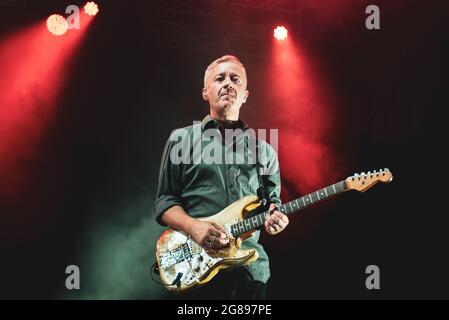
{"points": [[209, 122]]}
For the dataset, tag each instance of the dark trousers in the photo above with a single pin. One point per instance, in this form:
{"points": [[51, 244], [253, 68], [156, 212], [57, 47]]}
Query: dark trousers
{"points": [[234, 283]]}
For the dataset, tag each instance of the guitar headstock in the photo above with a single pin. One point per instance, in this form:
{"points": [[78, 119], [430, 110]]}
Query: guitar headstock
{"points": [[363, 181]]}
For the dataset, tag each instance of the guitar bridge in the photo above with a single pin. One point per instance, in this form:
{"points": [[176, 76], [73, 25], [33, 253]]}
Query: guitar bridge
{"points": [[183, 253]]}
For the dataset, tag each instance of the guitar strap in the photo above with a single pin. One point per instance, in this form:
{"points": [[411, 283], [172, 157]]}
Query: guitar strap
{"points": [[261, 191]]}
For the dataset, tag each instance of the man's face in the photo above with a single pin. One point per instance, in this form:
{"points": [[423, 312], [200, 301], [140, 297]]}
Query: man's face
{"points": [[226, 88]]}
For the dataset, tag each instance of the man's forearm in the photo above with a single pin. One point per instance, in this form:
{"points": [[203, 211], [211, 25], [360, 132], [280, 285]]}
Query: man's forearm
{"points": [[176, 218]]}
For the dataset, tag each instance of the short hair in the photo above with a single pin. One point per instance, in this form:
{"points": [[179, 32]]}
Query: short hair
{"points": [[225, 58]]}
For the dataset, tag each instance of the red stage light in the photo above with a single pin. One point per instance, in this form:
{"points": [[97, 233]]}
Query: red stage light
{"points": [[91, 8], [280, 33], [57, 24]]}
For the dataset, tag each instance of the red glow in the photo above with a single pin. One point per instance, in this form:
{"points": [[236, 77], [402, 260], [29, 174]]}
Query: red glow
{"points": [[57, 24], [303, 117], [280, 33], [91, 8], [33, 64]]}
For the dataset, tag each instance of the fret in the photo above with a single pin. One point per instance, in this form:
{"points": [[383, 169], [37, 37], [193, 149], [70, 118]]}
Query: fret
{"points": [[322, 193], [341, 186], [292, 208], [310, 200], [258, 220], [307, 200], [295, 205], [337, 187]]}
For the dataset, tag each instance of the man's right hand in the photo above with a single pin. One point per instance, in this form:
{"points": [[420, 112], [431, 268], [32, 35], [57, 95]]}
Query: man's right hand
{"points": [[205, 233], [209, 234]]}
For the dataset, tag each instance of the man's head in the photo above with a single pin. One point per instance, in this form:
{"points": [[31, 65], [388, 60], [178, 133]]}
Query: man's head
{"points": [[225, 87]]}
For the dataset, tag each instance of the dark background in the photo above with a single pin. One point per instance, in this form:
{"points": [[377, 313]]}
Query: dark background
{"points": [[138, 75]]}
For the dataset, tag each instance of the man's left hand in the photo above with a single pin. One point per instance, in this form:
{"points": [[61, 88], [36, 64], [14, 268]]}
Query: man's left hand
{"points": [[276, 222]]}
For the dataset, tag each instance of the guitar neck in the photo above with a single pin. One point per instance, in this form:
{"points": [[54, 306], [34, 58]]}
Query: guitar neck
{"points": [[254, 222]]}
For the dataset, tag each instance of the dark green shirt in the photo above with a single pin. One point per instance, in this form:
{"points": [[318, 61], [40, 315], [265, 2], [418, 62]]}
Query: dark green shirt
{"points": [[204, 187]]}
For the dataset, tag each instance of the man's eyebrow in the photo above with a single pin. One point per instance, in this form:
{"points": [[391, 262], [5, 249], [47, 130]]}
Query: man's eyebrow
{"points": [[231, 74]]}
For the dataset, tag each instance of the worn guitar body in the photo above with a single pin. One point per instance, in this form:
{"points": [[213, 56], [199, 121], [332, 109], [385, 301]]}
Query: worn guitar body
{"points": [[184, 264]]}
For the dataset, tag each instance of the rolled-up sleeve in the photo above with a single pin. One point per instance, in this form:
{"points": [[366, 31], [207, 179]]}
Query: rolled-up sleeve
{"points": [[169, 184]]}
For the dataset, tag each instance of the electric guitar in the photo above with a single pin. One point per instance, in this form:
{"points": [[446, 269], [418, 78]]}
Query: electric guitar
{"points": [[184, 264]]}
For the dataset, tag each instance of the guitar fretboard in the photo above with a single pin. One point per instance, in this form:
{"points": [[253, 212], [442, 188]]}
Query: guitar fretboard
{"points": [[258, 220]]}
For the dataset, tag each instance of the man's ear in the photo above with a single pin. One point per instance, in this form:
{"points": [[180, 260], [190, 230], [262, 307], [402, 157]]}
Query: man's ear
{"points": [[204, 94], [246, 96]]}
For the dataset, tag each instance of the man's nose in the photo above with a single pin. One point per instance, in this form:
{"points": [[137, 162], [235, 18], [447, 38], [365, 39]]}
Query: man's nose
{"points": [[228, 83]]}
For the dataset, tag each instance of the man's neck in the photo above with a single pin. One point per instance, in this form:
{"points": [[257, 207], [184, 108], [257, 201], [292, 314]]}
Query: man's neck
{"points": [[224, 117]]}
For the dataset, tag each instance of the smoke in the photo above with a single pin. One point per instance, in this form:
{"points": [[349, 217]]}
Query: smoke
{"points": [[118, 252]]}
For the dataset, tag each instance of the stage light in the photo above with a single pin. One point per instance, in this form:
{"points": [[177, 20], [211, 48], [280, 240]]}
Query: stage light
{"points": [[91, 8], [280, 33], [57, 24]]}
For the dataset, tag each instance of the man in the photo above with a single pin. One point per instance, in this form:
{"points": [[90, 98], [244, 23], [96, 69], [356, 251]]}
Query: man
{"points": [[187, 191]]}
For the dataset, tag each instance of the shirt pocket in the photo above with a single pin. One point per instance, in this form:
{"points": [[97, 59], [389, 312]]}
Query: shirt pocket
{"points": [[247, 179]]}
